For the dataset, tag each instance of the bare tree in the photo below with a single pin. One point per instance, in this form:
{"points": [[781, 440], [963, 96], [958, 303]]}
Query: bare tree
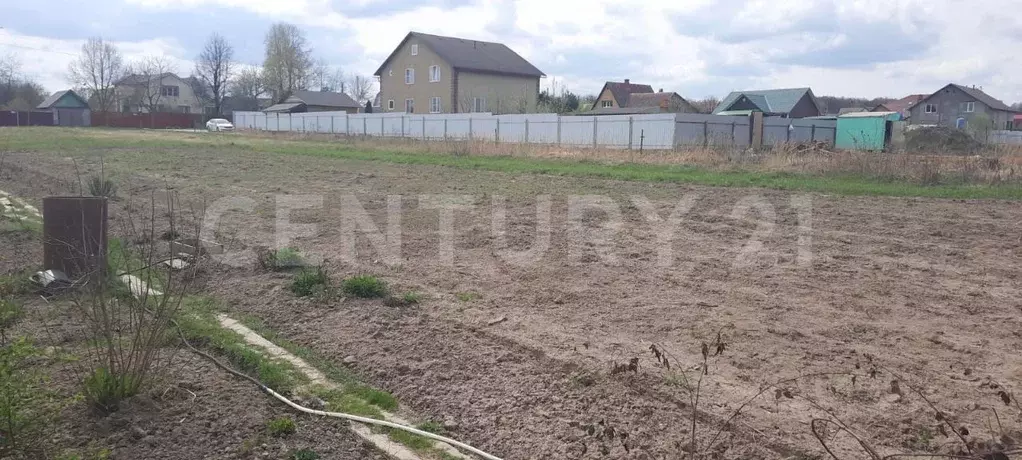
{"points": [[96, 70], [359, 87], [288, 65], [148, 76], [706, 105], [248, 83], [215, 67]]}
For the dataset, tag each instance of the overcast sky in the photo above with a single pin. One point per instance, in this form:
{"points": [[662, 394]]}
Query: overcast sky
{"points": [[698, 48]]}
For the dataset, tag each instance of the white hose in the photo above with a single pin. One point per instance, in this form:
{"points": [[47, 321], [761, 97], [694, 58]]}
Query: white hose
{"points": [[372, 421]]}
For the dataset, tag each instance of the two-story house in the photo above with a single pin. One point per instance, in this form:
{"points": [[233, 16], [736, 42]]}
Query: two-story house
{"points": [[958, 105], [435, 74], [166, 92]]}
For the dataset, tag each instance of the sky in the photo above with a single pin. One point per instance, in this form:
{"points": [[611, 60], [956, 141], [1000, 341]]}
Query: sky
{"points": [[698, 48]]}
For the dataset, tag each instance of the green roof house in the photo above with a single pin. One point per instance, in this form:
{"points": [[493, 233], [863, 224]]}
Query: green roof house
{"points": [[788, 103], [68, 108]]}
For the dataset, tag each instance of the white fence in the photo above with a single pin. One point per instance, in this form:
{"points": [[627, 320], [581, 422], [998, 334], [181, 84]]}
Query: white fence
{"points": [[653, 131], [1006, 137]]}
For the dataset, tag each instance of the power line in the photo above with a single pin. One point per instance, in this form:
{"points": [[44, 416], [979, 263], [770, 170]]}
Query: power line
{"points": [[14, 45]]}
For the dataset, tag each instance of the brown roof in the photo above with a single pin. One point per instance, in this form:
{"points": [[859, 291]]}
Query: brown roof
{"points": [[978, 95], [902, 104], [622, 91], [472, 55], [648, 99]]}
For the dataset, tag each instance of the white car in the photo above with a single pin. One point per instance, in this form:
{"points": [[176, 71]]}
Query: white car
{"points": [[219, 124]]}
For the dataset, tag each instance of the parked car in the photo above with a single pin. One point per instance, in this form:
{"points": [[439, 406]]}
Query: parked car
{"points": [[219, 124]]}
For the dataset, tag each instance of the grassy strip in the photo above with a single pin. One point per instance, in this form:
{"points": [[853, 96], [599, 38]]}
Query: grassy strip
{"points": [[353, 397], [84, 140], [199, 324]]}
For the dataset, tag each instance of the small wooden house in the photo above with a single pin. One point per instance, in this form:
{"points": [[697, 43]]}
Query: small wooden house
{"points": [[68, 109]]}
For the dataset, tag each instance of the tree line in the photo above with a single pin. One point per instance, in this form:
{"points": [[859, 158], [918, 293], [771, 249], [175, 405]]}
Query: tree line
{"points": [[218, 79], [17, 92]]}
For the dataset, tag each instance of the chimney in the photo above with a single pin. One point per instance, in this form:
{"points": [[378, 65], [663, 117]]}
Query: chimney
{"points": [[627, 81]]}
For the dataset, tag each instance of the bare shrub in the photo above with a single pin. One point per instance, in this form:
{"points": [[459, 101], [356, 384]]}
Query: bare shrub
{"points": [[127, 310]]}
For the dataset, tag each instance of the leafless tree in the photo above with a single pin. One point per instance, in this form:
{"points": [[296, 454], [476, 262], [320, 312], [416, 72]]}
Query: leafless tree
{"points": [[248, 83], [215, 68], [359, 87], [288, 65], [96, 70], [148, 77], [706, 105]]}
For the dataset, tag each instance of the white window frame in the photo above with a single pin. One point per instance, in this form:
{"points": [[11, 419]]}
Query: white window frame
{"points": [[606, 104], [390, 104], [439, 105], [409, 76], [409, 105], [970, 107], [927, 107], [434, 73], [478, 104], [415, 49]]}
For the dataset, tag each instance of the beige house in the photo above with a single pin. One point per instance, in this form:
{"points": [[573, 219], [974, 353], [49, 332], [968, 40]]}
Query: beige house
{"points": [[434, 74], [166, 92]]}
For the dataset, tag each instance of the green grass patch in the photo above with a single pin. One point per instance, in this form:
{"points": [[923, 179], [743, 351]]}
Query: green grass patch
{"points": [[468, 296], [87, 141], [364, 286], [281, 427], [412, 298], [310, 281], [16, 284], [304, 454], [200, 326]]}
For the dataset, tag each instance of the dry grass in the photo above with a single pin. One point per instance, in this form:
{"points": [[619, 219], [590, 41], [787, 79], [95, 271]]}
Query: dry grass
{"points": [[993, 165]]}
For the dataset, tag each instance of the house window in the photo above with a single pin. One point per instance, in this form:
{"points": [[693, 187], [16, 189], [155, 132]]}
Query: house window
{"points": [[184, 109], [434, 105], [478, 104], [390, 104], [410, 105], [415, 50], [970, 107], [930, 108], [169, 91], [434, 73], [606, 104], [390, 73], [409, 76]]}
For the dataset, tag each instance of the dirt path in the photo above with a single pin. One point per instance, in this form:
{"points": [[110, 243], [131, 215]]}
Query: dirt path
{"points": [[929, 288]]}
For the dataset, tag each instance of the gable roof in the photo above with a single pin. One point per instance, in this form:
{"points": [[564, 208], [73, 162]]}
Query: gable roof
{"points": [[844, 110], [323, 98], [902, 104], [53, 98], [622, 91], [137, 79], [471, 55], [976, 94], [768, 100]]}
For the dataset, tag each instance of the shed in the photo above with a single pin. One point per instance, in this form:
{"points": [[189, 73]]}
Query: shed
{"points": [[68, 108], [872, 131]]}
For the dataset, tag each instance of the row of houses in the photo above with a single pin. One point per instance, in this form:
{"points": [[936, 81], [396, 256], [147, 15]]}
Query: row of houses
{"points": [[436, 74]]}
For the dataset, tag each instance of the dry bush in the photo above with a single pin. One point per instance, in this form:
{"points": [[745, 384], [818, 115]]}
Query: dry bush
{"points": [[126, 325]]}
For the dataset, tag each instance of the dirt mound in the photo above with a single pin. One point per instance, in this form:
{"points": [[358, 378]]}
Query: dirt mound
{"points": [[941, 139]]}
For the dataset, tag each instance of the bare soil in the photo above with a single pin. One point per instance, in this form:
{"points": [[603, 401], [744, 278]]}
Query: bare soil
{"points": [[517, 359]]}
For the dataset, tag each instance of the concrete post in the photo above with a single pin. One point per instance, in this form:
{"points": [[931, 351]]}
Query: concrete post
{"points": [[445, 129], [595, 136], [347, 125], [402, 126], [631, 124], [706, 133], [812, 134], [470, 136], [382, 134], [496, 136], [423, 127], [526, 130], [365, 127], [558, 130]]}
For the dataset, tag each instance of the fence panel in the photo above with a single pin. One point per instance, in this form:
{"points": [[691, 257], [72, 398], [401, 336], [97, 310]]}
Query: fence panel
{"points": [[1006, 137], [484, 128], [577, 131]]}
